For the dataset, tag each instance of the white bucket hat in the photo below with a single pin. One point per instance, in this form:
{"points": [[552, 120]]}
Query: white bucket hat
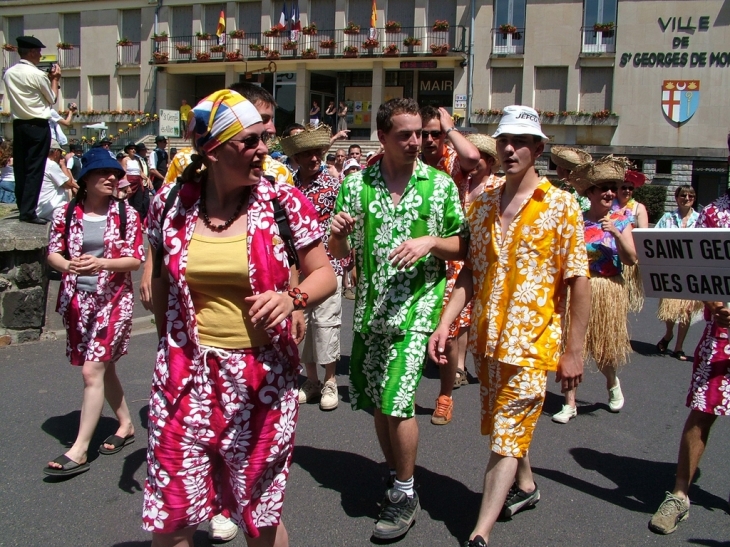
{"points": [[352, 162], [520, 120]]}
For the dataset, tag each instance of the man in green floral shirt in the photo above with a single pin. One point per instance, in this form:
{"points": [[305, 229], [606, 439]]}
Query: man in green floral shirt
{"points": [[404, 220]]}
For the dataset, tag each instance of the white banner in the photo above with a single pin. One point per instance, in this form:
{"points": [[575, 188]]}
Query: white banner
{"points": [[169, 123], [689, 263]]}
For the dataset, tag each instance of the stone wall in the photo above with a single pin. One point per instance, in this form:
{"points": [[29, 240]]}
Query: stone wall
{"points": [[23, 280]]}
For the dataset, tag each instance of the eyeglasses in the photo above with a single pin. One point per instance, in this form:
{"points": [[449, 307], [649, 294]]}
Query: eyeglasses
{"points": [[686, 196], [628, 188], [607, 188], [434, 134], [252, 141]]}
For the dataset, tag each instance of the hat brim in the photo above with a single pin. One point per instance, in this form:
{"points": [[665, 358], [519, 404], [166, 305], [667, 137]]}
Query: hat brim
{"points": [[569, 158], [519, 129], [309, 139]]}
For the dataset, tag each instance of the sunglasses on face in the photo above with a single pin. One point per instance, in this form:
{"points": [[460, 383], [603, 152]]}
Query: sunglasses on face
{"points": [[628, 188], [433, 134], [252, 141], [686, 196], [607, 188]]}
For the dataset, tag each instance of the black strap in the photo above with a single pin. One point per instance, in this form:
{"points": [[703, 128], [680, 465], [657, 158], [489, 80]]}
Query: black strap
{"points": [[159, 252], [285, 232], [122, 220]]}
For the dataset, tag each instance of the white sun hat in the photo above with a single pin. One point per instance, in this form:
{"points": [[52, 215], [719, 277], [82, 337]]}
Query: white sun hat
{"points": [[520, 120]]}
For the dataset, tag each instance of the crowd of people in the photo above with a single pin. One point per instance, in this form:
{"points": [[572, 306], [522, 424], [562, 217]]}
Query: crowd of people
{"points": [[447, 242]]}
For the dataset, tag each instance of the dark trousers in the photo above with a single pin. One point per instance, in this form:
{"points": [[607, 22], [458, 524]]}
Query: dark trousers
{"points": [[31, 143], [140, 201]]}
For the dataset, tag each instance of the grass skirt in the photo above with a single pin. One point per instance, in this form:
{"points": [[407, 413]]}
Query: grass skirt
{"points": [[632, 278], [678, 311], [607, 336]]}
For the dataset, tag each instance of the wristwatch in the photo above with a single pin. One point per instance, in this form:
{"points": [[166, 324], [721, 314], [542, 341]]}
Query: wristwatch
{"points": [[449, 130]]}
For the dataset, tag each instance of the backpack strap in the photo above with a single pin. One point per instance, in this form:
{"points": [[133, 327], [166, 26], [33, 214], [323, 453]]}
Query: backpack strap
{"points": [[122, 220], [282, 222], [67, 227], [159, 252]]}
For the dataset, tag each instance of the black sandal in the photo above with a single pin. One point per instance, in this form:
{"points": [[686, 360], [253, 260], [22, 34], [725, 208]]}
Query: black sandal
{"points": [[663, 344], [681, 355]]}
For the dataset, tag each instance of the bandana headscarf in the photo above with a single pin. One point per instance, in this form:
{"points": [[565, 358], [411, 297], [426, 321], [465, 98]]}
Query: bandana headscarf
{"points": [[221, 116]]}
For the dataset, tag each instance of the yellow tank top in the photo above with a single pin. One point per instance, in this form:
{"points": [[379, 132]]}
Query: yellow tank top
{"points": [[217, 274]]}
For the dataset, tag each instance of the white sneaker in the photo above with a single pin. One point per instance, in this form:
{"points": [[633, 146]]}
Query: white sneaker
{"points": [[566, 414], [222, 529], [615, 398], [329, 400], [309, 391]]}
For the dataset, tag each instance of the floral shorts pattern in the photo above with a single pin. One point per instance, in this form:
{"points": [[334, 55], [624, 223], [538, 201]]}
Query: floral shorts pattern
{"points": [[710, 388], [512, 399], [463, 321], [226, 443], [385, 371]]}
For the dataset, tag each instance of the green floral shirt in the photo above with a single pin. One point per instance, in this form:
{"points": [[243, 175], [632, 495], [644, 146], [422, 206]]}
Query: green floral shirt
{"points": [[391, 301]]}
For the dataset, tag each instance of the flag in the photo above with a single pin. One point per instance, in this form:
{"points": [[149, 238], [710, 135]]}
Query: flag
{"points": [[373, 20], [220, 31], [283, 18], [295, 24]]}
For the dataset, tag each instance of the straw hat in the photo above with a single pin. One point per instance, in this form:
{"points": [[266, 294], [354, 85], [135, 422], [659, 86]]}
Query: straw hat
{"points": [[607, 169], [569, 158], [312, 138], [484, 143]]}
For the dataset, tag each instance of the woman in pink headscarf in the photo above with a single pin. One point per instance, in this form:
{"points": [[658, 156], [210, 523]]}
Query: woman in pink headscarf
{"points": [[223, 407]]}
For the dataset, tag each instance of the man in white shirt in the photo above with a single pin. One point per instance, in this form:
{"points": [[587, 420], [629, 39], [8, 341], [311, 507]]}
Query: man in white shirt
{"points": [[55, 183], [31, 94]]}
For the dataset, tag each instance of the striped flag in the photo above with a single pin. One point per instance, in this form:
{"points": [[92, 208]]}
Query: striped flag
{"points": [[283, 18], [373, 20], [294, 19], [220, 31]]}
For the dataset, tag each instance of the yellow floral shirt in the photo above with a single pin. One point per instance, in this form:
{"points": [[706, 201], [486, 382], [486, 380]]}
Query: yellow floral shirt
{"points": [[272, 168], [519, 280]]}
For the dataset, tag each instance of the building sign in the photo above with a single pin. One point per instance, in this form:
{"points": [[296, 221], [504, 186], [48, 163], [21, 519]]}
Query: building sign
{"points": [[169, 123], [680, 99], [418, 64], [687, 264]]}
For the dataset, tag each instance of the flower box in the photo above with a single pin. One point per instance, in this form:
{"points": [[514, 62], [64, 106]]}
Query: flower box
{"points": [[507, 29], [202, 56], [160, 58], [391, 50], [370, 43], [255, 47], [183, 48], [234, 56], [124, 42], [290, 45], [203, 36], [310, 30], [439, 49], [64, 45], [352, 28], [309, 53], [236, 34], [10, 47], [162, 37], [440, 26], [327, 44], [392, 26], [273, 31], [217, 49], [273, 55], [410, 41], [350, 51]]}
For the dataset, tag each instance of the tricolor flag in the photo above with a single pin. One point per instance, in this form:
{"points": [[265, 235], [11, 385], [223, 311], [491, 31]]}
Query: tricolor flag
{"points": [[220, 31], [282, 18], [295, 24], [373, 20]]}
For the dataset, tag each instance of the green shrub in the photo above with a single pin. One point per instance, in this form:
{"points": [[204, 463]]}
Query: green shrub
{"points": [[653, 198]]}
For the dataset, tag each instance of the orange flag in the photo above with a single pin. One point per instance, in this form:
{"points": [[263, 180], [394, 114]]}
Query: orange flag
{"points": [[374, 16], [221, 30]]}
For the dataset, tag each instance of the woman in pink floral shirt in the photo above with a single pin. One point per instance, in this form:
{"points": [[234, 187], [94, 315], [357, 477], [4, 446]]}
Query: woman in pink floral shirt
{"points": [[223, 407]]}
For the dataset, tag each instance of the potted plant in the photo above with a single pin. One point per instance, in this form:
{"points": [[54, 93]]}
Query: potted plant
{"points": [[273, 31], [203, 35], [234, 55], [161, 37], [309, 53], [392, 26], [63, 45], [183, 48], [202, 56], [273, 54], [236, 34], [440, 25], [255, 47], [350, 51], [290, 45], [391, 50], [506, 29], [410, 41], [217, 48], [352, 28], [439, 49], [327, 44], [370, 43], [605, 28], [160, 57], [310, 30], [10, 47], [124, 42]]}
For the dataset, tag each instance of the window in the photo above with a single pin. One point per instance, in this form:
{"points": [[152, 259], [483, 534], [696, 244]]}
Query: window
{"points": [[211, 16], [663, 167], [403, 10], [510, 12], [322, 13], [182, 21], [132, 25], [129, 92], [506, 87], [70, 91], [15, 29], [358, 11], [444, 10], [551, 84], [99, 87], [599, 11], [72, 28], [249, 17], [596, 88]]}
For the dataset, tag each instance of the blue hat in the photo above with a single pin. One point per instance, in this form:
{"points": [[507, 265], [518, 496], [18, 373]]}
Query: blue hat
{"points": [[98, 158]]}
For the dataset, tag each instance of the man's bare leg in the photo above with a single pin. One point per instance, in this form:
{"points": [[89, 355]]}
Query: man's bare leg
{"points": [[693, 443], [498, 479]]}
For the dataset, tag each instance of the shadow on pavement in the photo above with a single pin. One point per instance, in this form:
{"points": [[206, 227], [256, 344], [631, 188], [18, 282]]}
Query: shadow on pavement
{"points": [[646, 349], [132, 462], [445, 499], [554, 403], [709, 542], [200, 539], [144, 416], [64, 428], [640, 484]]}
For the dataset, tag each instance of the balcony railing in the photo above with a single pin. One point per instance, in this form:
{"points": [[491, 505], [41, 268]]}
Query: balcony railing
{"points": [[261, 46], [128, 54], [508, 43], [69, 57], [10, 58], [598, 41]]}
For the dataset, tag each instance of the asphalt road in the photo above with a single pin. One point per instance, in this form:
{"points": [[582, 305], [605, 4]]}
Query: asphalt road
{"points": [[601, 476]]}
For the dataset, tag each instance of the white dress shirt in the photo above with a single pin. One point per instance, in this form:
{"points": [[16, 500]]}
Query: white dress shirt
{"points": [[29, 91]]}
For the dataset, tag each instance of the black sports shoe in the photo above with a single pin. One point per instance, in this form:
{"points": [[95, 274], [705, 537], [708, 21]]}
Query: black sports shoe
{"points": [[396, 515], [476, 542], [517, 500]]}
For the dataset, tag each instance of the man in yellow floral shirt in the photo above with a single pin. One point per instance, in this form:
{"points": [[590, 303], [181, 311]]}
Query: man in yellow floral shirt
{"points": [[526, 248]]}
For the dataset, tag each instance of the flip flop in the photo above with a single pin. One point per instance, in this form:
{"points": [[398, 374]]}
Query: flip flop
{"points": [[117, 442], [681, 355], [69, 468]]}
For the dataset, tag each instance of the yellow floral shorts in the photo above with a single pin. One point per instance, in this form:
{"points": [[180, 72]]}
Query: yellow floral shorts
{"points": [[512, 399]]}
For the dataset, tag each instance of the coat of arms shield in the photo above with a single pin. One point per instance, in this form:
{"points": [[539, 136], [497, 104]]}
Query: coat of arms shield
{"points": [[680, 99]]}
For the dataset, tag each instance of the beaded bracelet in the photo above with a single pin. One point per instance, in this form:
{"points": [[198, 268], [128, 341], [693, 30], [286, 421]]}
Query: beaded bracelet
{"points": [[299, 298]]}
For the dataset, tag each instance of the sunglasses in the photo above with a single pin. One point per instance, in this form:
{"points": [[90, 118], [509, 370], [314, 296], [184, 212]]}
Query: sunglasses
{"points": [[628, 188], [686, 196], [252, 141], [606, 188], [434, 134]]}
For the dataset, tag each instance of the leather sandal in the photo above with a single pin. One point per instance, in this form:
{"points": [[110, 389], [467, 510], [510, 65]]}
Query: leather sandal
{"points": [[663, 344]]}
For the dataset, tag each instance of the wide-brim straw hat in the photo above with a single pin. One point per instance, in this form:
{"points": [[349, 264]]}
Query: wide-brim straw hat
{"points": [[484, 143], [569, 158], [595, 173], [312, 138]]}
